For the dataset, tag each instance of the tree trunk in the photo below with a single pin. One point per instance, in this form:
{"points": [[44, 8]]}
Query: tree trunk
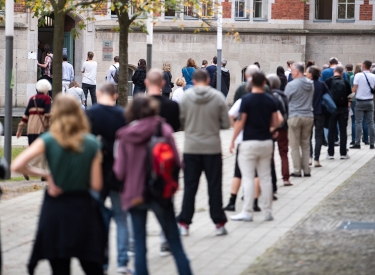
{"points": [[124, 23], [58, 42]]}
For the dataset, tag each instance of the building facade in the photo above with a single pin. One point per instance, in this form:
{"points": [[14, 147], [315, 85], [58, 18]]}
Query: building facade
{"points": [[270, 32]]}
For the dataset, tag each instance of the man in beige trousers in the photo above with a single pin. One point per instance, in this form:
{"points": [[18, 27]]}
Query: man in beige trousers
{"points": [[300, 93]]}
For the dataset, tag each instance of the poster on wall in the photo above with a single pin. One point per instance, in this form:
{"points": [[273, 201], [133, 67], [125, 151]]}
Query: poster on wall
{"points": [[107, 50], [65, 51]]}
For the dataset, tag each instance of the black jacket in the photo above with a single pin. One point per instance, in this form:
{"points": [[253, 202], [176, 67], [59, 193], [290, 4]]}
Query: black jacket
{"points": [[167, 89], [170, 111], [225, 81], [139, 77]]}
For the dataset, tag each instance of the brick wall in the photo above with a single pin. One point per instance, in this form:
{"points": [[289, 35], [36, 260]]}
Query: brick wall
{"points": [[227, 9], [365, 11], [19, 8], [288, 9], [307, 12]]}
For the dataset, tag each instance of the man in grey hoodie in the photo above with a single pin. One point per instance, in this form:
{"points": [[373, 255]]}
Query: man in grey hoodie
{"points": [[300, 93], [203, 113]]}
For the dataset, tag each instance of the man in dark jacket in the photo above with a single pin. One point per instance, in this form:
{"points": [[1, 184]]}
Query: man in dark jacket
{"points": [[225, 78], [340, 90]]}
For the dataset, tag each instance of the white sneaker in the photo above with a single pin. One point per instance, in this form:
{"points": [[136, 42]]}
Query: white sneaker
{"points": [[184, 229], [243, 216], [220, 230], [268, 218], [345, 157], [330, 157], [124, 270]]}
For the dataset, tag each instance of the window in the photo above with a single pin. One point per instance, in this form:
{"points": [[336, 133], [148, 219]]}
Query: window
{"points": [[323, 9], [258, 8], [169, 12], [189, 9], [346, 9], [207, 8], [240, 11]]}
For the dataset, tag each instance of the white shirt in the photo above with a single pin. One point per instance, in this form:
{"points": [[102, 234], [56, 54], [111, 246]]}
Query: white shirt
{"points": [[363, 89], [111, 73], [77, 93], [287, 73], [177, 94], [235, 112], [67, 72], [89, 75]]}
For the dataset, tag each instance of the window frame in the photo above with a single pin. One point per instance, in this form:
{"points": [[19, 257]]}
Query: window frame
{"points": [[346, 4], [236, 12], [261, 2], [316, 11]]}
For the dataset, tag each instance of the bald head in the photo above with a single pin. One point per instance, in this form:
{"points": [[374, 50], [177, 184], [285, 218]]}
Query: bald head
{"points": [[252, 69], [155, 78]]}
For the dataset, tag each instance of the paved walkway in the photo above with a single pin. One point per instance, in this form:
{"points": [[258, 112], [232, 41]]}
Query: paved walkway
{"points": [[209, 254]]}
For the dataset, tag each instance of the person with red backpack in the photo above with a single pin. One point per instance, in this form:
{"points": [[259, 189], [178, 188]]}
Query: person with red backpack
{"points": [[147, 163]]}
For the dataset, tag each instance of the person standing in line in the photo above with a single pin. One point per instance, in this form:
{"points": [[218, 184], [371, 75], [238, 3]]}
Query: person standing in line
{"points": [[212, 69], [47, 72], [358, 69], [363, 86], [288, 71], [139, 77], [75, 91], [283, 80], [349, 70], [300, 93], [225, 79], [113, 72], [179, 92], [105, 119], [129, 167], [167, 88], [242, 89], [203, 113], [70, 223], [89, 69], [320, 88], [340, 90], [204, 64], [187, 73], [67, 73], [282, 130], [328, 73], [259, 119]]}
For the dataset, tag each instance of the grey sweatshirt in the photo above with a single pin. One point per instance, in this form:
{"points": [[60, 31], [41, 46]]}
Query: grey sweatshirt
{"points": [[203, 112], [300, 93]]}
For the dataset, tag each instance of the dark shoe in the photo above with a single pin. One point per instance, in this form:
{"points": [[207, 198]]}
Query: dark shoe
{"points": [[367, 143], [274, 198], [295, 175], [355, 147], [337, 144], [372, 147], [325, 143], [230, 207], [307, 175], [165, 250], [352, 143], [26, 177], [256, 208]]}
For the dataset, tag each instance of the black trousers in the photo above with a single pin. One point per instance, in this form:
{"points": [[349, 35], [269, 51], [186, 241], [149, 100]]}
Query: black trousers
{"points": [[341, 117], [319, 136], [89, 88], [211, 165], [62, 267]]}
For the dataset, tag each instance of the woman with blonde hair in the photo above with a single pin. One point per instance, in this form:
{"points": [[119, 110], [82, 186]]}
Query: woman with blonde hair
{"points": [[168, 85], [178, 93], [188, 71], [70, 223]]}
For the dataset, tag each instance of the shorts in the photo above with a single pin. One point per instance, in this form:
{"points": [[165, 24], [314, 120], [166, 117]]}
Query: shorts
{"points": [[237, 171]]}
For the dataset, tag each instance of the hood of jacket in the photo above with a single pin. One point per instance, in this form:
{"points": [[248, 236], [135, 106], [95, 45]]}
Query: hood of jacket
{"points": [[224, 70], [139, 131], [200, 95], [304, 84]]}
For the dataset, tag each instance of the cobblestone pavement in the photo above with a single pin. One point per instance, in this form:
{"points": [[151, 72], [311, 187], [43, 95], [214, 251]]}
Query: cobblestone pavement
{"points": [[209, 254], [317, 246]]}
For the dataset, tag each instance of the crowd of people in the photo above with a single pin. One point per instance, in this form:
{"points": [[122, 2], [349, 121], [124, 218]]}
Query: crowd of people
{"points": [[130, 156]]}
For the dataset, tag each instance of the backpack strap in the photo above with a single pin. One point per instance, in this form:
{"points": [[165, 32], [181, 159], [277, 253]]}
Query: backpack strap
{"points": [[159, 131], [368, 83]]}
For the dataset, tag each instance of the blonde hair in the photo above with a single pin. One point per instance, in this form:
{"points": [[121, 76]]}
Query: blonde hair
{"points": [[68, 123], [74, 84], [180, 81], [357, 68], [166, 67]]}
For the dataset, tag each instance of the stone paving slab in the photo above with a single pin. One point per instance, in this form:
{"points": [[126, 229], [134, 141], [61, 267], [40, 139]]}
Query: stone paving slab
{"points": [[209, 254]]}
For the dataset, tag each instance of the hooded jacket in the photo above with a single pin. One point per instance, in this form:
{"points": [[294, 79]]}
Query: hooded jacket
{"points": [[225, 81], [300, 93], [130, 160], [203, 113]]}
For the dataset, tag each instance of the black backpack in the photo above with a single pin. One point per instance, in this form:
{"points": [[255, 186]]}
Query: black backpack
{"points": [[116, 76], [283, 107], [338, 91]]}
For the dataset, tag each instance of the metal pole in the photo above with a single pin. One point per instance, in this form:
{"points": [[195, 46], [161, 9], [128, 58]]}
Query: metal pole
{"points": [[9, 33], [219, 46], [150, 34]]}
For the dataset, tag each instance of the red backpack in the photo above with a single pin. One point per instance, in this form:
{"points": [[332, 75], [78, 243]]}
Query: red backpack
{"points": [[162, 176]]}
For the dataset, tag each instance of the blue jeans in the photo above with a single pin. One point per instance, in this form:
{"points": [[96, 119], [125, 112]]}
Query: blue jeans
{"points": [[364, 109], [138, 89], [167, 220], [122, 231], [364, 125]]}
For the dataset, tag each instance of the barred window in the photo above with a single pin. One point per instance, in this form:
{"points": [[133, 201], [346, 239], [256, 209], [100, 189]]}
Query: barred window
{"points": [[346, 9]]}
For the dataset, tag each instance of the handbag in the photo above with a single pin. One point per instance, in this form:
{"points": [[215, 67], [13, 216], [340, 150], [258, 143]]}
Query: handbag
{"points": [[45, 125], [371, 89], [328, 103]]}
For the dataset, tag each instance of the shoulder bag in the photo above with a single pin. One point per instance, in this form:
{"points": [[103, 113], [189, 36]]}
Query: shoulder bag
{"points": [[371, 88]]}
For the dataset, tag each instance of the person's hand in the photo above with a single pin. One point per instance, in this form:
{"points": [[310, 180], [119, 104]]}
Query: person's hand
{"points": [[231, 147], [53, 190], [18, 134], [275, 135]]}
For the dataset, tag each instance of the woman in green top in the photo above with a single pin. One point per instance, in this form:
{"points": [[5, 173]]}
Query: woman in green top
{"points": [[70, 223]]}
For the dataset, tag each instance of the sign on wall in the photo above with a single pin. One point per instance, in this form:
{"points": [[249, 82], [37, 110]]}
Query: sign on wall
{"points": [[107, 50]]}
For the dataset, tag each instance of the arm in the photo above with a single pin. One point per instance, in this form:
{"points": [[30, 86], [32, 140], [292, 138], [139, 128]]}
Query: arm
{"points": [[96, 173], [276, 120], [71, 74], [355, 87], [182, 112], [119, 166], [224, 120], [238, 127], [83, 67], [109, 74], [44, 65]]}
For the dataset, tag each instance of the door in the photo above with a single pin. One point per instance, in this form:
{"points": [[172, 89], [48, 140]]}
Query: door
{"points": [[68, 47]]}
